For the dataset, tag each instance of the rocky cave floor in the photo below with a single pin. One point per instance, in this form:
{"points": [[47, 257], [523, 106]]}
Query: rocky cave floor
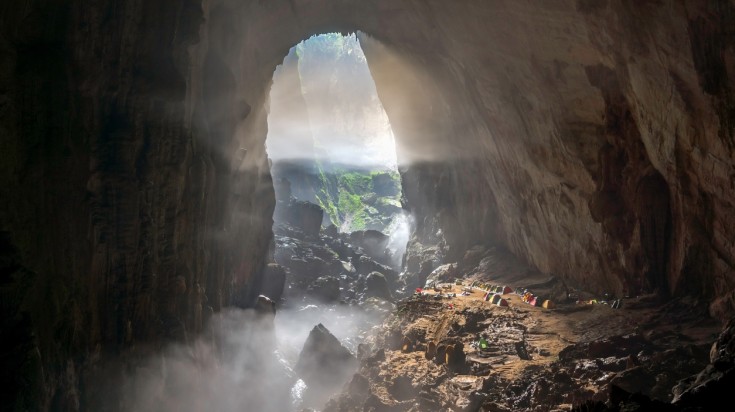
{"points": [[576, 355], [536, 359]]}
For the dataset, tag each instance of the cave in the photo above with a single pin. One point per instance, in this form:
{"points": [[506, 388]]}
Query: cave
{"points": [[580, 150], [332, 160]]}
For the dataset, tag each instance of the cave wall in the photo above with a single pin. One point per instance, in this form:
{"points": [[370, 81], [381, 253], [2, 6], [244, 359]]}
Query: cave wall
{"points": [[594, 139], [598, 136], [129, 213]]}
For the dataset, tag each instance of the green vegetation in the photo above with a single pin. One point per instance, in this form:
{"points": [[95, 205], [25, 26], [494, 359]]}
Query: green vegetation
{"points": [[356, 182], [357, 199], [389, 202]]}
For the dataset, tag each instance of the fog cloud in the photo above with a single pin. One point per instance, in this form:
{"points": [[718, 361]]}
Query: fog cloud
{"points": [[242, 363], [324, 104]]}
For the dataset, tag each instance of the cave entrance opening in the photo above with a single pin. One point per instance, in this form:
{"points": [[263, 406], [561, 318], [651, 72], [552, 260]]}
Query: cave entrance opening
{"points": [[329, 139], [340, 231], [333, 158]]}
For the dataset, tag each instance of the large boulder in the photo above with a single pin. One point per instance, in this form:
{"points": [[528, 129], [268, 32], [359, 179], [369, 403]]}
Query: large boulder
{"points": [[265, 307], [331, 231], [302, 216], [306, 216], [274, 280], [325, 289], [713, 385], [323, 361], [444, 273], [265, 310], [376, 286], [365, 266]]}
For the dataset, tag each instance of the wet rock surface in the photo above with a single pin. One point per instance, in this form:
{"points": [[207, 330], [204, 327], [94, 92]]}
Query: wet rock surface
{"points": [[331, 267]]}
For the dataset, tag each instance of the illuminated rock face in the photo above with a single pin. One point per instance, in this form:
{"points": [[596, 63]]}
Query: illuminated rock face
{"points": [[593, 139], [571, 137]]}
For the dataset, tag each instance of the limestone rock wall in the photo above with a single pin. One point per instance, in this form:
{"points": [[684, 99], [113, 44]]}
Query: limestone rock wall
{"points": [[130, 211], [594, 139]]}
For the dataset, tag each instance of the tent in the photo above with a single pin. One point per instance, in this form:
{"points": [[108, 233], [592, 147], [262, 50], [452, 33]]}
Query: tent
{"points": [[548, 304], [487, 296], [502, 302], [496, 297], [507, 290], [533, 301]]}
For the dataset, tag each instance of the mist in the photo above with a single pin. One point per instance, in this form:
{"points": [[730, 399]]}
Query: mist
{"points": [[399, 232], [242, 362], [324, 106]]}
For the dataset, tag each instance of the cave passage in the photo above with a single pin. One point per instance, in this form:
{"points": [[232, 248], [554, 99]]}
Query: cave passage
{"points": [[332, 153], [339, 226], [329, 139]]}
